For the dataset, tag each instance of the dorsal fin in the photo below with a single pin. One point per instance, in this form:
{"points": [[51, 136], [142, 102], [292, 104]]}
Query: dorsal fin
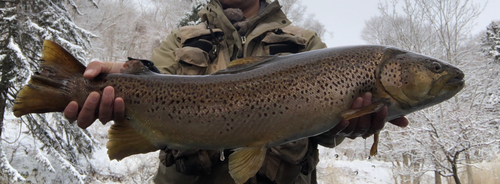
{"points": [[136, 67], [245, 64], [57, 58]]}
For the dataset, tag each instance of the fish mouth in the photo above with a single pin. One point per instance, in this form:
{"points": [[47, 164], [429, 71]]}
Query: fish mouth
{"points": [[457, 81], [446, 84]]}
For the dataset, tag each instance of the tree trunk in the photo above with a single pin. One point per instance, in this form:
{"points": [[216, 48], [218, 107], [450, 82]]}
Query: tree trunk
{"points": [[470, 179], [416, 167], [455, 173], [4, 89], [2, 110], [437, 177], [406, 164]]}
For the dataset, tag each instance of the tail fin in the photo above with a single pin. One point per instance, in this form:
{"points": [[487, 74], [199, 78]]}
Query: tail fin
{"points": [[47, 90]]}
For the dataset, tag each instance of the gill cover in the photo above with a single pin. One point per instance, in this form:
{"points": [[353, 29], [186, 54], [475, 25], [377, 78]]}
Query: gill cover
{"points": [[410, 78]]}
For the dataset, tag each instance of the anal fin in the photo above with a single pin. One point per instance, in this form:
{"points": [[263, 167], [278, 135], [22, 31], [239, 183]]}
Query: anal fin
{"points": [[244, 163], [374, 149], [125, 141]]}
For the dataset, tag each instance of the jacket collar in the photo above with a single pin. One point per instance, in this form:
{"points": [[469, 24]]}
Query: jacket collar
{"points": [[269, 18]]}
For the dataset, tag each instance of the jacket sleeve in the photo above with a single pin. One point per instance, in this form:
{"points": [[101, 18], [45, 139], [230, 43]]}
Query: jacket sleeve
{"points": [[164, 55], [314, 42], [189, 50]]}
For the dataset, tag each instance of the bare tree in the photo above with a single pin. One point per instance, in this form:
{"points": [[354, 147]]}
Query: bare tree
{"points": [[433, 27], [453, 21], [447, 133], [408, 30], [296, 11], [129, 27]]}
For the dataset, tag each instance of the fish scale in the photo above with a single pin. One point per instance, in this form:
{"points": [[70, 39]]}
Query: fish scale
{"points": [[255, 104], [231, 106]]}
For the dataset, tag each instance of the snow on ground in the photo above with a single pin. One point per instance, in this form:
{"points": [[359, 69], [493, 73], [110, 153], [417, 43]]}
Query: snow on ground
{"points": [[134, 169], [336, 168], [22, 152], [26, 156]]}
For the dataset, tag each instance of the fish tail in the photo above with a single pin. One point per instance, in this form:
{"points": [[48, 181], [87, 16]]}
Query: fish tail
{"points": [[48, 90]]}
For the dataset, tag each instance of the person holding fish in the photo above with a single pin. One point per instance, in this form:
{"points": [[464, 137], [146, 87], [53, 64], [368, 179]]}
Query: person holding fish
{"points": [[231, 29]]}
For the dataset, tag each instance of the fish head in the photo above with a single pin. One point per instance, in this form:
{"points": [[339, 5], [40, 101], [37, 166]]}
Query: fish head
{"points": [[414, 81]]}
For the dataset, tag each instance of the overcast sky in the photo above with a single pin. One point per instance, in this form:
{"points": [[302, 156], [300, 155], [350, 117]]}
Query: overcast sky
{"points": [[346, 18]]}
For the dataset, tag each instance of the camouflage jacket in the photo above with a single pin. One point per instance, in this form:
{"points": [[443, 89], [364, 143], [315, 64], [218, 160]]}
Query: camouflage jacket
{"points": [[209, 47]]}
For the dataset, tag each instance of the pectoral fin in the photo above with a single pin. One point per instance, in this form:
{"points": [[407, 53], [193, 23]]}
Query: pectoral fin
{"points": [[358, 112], [373, 150], [125, 141], [245, 163]]}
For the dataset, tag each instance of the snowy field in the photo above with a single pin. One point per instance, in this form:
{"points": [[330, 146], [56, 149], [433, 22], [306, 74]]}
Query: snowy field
{"points": [[36, 166], [22, 154], [336, 168], [26, 156]]}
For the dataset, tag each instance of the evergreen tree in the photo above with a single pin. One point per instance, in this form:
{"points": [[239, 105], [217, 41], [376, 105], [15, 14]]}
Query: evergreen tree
{"points": [[192, 18], [491, 41], [60, 145]]}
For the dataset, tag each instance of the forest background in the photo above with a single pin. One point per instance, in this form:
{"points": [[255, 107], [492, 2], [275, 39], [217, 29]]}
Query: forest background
{"points": [[457, 141]]}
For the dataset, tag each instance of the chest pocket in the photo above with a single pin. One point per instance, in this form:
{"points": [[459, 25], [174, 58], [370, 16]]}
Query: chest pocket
{"points": [[199, 47], [282, 43]]}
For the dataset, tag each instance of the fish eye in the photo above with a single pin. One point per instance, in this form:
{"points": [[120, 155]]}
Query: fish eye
{"points": [[437, 67]]}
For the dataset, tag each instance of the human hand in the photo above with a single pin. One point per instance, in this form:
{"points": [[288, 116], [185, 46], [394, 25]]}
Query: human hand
{"points": [[110, 108], [366, 125]]}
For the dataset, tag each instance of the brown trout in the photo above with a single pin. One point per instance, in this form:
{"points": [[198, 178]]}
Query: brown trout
{"points": [[255, 104]]}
